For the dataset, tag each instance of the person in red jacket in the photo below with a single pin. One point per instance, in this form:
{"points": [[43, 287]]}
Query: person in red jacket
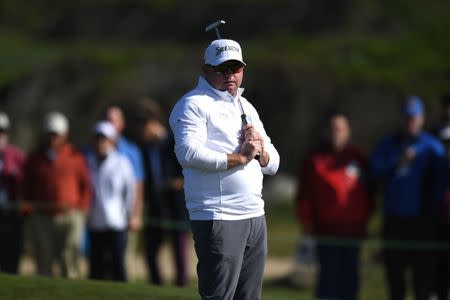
{"points": [[57, 184], [334, 201]]}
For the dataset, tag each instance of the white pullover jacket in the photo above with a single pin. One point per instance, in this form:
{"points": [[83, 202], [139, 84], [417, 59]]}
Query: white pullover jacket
{"points": [[207, 125]]}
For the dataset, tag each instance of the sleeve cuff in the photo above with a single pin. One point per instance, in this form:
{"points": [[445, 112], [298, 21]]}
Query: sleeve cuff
{"points": [[222, 162], [272, 166]]}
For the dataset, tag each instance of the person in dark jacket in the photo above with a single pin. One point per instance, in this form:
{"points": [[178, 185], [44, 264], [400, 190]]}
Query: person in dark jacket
{"points": [[334, 201], [411, 168], [164, 195], [12, 161]]}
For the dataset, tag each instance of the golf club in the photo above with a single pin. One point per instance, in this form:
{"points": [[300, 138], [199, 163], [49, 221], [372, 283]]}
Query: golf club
{"points": [[215, 26]]}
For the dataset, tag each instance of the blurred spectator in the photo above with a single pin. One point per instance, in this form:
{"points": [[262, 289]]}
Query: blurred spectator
{"points": [[334, 201], [410, 166], [11, 221], [113, 199], [443, 265], [56, 182], [115, 115], [164, 195], [445, 118]]}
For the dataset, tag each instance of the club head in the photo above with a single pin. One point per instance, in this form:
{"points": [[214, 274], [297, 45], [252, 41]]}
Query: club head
{"points": [[215, 26]]}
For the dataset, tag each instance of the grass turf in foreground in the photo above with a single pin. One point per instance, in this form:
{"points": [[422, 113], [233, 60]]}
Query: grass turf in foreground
{"points": [[37, 288]]}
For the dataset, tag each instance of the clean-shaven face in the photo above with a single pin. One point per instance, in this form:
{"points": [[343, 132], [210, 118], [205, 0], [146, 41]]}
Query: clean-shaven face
{"points": [[115, 115], [102, 145], [339, 131], [414, 124], [227, 76]]}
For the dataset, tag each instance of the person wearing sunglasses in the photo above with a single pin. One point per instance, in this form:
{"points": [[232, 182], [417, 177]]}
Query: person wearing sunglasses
{"points": [[218, 134]]}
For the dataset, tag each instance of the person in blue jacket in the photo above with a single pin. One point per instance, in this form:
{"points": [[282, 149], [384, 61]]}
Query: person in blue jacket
{"points": [[410, 166]]}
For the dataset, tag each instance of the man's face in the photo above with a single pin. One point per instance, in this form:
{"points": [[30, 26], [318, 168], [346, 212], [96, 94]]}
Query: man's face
{"points": [[115, 116], [153, 130], [102, 145], [3, 138], [226, 76], [414, 124], [56, 140], [339, 132]]}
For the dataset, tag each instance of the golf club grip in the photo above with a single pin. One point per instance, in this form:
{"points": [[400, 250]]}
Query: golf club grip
{"points": [[245, 122]]}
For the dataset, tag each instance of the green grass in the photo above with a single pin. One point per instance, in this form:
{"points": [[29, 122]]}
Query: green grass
{"points": [[283, 229], [283, 235], [37, 288]]}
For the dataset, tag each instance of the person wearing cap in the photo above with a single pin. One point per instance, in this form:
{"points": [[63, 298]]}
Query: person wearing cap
{"points": [[410, 166], [113, 184], [224, 150], [335, 201], [11, 220], [442, 276], [56, 183]]}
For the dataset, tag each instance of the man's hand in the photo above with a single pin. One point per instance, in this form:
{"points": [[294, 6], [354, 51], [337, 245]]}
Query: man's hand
{"points": [[250, 149], [177, 184], [250, 133], [135, 223], [408, 156]]}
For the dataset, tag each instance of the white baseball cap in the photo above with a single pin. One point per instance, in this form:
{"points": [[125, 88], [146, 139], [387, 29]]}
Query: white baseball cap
{"points": [[220, 51], [106, 129], [56, 122], [4, 121], [444, 134]]}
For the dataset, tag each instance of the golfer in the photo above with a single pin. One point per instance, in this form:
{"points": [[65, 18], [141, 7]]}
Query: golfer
{"points": [[223, 180]]}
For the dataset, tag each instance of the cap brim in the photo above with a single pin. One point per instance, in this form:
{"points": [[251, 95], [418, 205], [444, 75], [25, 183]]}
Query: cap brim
{"points": [[221, 61], [414, 114], [56, 132]]}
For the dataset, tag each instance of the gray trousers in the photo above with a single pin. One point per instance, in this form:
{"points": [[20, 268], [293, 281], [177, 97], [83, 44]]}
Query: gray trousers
{"points": [[231, 258]]}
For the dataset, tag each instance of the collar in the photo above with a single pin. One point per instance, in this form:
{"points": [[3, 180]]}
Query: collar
{"points": [[121, 140], [224, 95], [402, 138]]}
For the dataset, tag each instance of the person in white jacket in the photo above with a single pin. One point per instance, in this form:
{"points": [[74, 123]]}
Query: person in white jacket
{"points": [[224, 150], [113, 186]]}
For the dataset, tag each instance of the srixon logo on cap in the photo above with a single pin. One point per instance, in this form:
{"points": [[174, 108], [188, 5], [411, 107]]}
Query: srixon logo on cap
{"points": [[219, 50]]}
